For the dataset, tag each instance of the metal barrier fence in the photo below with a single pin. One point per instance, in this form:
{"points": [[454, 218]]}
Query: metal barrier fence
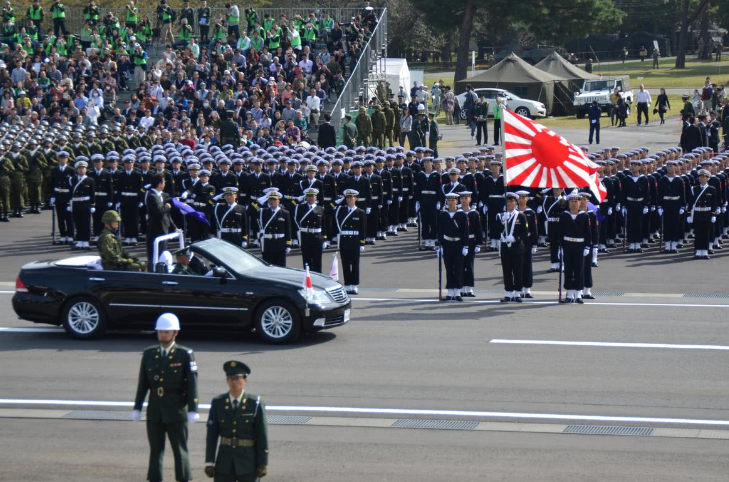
{"points": [[359, 78], [75, 16]]}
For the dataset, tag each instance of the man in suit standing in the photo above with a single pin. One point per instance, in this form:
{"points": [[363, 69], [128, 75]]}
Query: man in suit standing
{"points": [[159, 221], [327, 135]]}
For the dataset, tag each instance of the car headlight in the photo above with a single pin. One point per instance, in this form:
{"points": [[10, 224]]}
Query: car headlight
{"points": [[315, 296]]}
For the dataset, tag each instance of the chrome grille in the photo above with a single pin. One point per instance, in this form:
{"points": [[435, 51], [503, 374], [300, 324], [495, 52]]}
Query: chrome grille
{"points": [[339, 295], [336, 320]]}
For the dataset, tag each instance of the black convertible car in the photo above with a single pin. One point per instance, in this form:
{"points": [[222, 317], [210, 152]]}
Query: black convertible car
{"points": [[235, 290]]}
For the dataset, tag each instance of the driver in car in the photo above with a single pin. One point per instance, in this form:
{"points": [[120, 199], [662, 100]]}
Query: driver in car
{"points": [[113, 256], [182, 264]]}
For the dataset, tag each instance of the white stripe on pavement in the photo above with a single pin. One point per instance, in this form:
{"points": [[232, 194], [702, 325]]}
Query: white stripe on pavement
{"points": [[610, 344], [7, 292], [405, 411], [553, 302]]}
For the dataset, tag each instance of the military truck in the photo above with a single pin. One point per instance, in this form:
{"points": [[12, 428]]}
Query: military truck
{"points": [[600, 90]]}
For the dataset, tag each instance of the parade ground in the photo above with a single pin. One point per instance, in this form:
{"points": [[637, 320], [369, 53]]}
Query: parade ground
{"points": [[629, 386]]}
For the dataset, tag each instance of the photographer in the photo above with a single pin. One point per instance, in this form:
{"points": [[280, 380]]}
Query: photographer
{"points": [[35, 14], [132, 16], [91, 14], [168, 18], [185, 34], [58, 12], [139, 60], [233, 21], [203, 19]]}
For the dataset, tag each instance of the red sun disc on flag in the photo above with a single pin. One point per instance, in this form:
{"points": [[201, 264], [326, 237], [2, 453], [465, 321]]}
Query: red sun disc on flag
{"points": [[535, 156]]}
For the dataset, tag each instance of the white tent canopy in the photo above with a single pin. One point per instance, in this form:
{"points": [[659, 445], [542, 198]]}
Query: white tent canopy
{"points": [[394, 71]]}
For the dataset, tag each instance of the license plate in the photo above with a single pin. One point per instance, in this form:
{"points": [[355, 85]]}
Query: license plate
{"points": [[346, 315]]}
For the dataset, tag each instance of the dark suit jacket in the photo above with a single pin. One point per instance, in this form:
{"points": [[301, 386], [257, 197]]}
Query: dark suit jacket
{"points": [[327, 136], [159, 221], [691, 138]]}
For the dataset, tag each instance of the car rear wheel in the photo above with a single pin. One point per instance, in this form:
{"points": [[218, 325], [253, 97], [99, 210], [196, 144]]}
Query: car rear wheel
{"points": [[522, 111], [84, 319], [462, 114], [278, 322]]}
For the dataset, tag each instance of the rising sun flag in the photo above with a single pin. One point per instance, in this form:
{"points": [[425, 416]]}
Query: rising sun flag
{"points": [[537, 157]]}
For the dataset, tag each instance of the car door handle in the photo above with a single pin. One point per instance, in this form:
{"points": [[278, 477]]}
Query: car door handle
{"points": [[170, 283], [97, 279]]}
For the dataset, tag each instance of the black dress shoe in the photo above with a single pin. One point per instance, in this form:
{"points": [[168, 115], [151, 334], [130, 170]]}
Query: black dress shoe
{"points": [[594, 264], [589, 297], [505, 299], [470, 295], [458, 298], [579, 301], [711, 251], [552, 270], [528, 295], [516, 299], [447, 298], [638, 250]]}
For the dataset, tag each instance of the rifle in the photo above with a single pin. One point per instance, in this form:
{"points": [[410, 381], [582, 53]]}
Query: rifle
{"points": [[625, 230], [440, 276], [561, 260], [53, 225], [661, 240], [420, 227]]}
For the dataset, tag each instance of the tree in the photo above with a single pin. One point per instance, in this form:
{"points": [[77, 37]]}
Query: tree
{"points": [[688, 19]]}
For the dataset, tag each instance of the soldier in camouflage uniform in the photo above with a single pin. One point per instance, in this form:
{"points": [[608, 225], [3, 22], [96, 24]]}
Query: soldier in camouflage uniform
{"points": [[389, 125], [379, 124], [17, 179], [37, 163], [364, 127], [6, 169], [113, 256]]}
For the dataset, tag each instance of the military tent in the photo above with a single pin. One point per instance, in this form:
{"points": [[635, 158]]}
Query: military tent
{"points": [[573, 77]]}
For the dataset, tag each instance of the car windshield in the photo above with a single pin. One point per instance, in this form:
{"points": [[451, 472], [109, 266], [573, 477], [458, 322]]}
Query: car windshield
{"points": [[235, 258], [596, 85]]}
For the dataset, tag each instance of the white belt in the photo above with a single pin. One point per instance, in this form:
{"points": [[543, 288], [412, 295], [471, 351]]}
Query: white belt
{"points": [[574, 240], [310, 230], [101, 194], [448, 238], [404, 189], [274, 236], [328, 198], [500, 196], [198, 204], [81, 199], [428, 192], [701, 210], [671, 198], [349, 233], [636, 199], [471, 236], [553, 220], [288, 196], [129, 194], [61, 190], [230, 230]]}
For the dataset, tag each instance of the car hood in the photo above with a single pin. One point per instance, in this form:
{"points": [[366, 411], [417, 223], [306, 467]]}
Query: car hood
{"points": [[292, 276]]}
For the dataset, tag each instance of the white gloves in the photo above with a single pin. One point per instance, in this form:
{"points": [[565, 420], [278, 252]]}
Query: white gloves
{"points": [[437, 206], [399, 199], [438, 252], [610, 211], [389, 201], [288, 250], [69, 208], [713, 219], [690, 219], [379, 206], [93, 210], [660, 211], [586, 251], [480, 204], [477, 249], [534, 250], [539, 209], [136, 416], [361, 249], [625, 212], [339, 201], [410, 197], [617, 206], [139, 205], [464, 251], [645, 210], [53, 201], [369, 210], [559, 253], [118, 206], [681, 211], [510, 239], [485, 209], [193, 417], [325, 245], [653, 209], [417, 206], [108, 205], [243, 244]]}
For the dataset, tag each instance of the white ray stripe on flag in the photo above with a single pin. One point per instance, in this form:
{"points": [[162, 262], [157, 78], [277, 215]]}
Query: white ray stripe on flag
{"points": [[520, 152], [518, 123], [521, 167], [514, 138]]}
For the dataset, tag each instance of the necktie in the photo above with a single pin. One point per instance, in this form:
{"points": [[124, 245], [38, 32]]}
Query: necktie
{"points": [[235, 404]]}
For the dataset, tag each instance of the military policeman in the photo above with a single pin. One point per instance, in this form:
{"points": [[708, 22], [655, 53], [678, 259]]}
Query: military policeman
{"points": [[113, 256], [453, 238], [169, 373], [237, 439], [351, 224], [311, 222], [230, 219], [275, 231]]}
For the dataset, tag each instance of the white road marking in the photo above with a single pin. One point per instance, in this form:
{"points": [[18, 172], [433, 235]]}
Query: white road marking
{"points": [[7, 329], [7, 292], [610, 344], [553, 302], [404, 411]]}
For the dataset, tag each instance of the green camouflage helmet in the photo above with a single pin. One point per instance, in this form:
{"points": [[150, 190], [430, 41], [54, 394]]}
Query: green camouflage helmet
{"points": [[110, 216]]}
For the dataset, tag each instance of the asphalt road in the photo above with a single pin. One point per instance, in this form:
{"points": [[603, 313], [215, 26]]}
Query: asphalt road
{"points": [[648, 354]]}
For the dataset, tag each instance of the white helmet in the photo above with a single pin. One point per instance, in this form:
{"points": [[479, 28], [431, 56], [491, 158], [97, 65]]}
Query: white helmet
{"points": [[167, 321]]}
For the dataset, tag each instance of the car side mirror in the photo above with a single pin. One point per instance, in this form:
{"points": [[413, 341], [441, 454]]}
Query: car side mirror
{"points": [[219, 272]]}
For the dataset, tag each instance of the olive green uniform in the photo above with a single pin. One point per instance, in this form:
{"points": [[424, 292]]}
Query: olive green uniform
{"points": [[433, 134], [17, 180], [364, 129], [37, 163], [172, 385], [389, 125], [379, 124], [114, 257], [243, 436], [6, 169], [181, 269], [229, 133], [349, 134]]}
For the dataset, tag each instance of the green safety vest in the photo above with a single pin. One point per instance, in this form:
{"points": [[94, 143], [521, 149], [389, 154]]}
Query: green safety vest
{"points": [[233, 19], [267, 24], [275, 41], [85, 34], [497, 111], [142, 35], [257, 43], [310, 34], [61, 49], [35, 14], [58, 12], [185, 34], [140, 60], [295, 38], [166, 16], [28, 48], [299, 24], [91, 15], [219, 33], [132, 17], [328, 23]]}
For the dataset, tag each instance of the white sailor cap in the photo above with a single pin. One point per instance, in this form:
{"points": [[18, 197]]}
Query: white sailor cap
{"points": [[351, 192], [312, 191]]}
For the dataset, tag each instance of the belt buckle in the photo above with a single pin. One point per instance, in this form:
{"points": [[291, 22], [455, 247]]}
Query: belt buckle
{"points": [[160, 391], [234, 443]]}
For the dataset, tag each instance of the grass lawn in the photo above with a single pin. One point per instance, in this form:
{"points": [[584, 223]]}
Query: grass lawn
{"points": [[692, 77], [632, 120]]}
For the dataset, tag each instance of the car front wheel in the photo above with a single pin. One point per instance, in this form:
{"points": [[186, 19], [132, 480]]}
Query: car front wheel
{"points": [[522, 111], [278, 322], [84, 319], [462, 114]]}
